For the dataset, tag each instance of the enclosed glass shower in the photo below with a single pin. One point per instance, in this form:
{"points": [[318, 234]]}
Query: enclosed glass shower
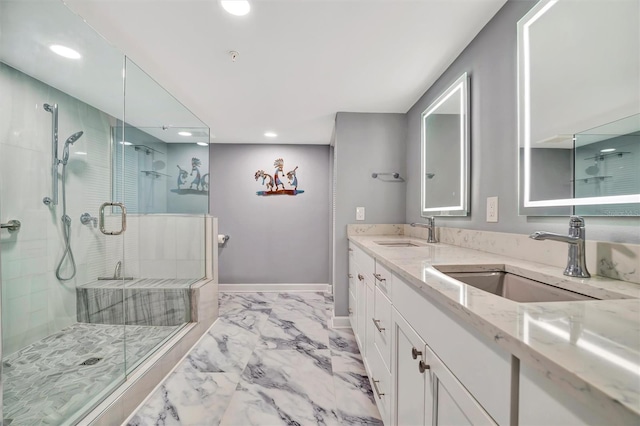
{"points": [[103, 195]]}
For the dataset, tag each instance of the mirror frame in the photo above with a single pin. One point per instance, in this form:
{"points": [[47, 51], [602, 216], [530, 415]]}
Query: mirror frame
{"points": [[462, 208], [527, 206]]}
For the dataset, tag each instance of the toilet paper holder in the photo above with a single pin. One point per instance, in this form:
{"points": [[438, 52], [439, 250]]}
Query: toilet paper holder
{"points": [[223, 238]]}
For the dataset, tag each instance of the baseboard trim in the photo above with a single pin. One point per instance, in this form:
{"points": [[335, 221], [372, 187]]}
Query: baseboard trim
{"points": [[252, 288], [340, 322]]}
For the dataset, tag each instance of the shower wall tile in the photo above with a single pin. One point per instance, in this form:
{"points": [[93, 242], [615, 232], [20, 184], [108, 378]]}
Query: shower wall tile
{"points": [[158, 268], [158, 238], [189, 238], [13, 289], [189, 268], [62, 306], [30, 256]]}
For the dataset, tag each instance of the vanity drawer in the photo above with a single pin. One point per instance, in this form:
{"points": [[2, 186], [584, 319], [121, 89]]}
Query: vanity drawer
{"points": [[383, 278], [381, 320], [381, 386], [366, 263]]}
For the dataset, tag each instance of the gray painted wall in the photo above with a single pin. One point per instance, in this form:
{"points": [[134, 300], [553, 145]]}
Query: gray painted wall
{"points": [[274, 239], [365, 143], [490, 60]]}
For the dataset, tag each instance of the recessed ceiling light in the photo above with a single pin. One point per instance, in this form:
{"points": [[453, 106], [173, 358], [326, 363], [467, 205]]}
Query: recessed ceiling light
{"points": [[184, 133], [236, 7], [65, 51], [608, 150], [125, 143], [270, 134], [202, 143]]}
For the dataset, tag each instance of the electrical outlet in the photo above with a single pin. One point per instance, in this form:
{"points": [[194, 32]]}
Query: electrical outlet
{"points": [[359, 213], [492, 209]]}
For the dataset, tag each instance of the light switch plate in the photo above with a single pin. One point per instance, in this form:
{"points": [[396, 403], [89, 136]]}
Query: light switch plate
{"points": [[492, 209], [359, 213]]}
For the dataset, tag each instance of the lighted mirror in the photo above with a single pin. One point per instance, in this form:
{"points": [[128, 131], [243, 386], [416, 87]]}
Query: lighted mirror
{"points": [[445, 153], [578, 108]]}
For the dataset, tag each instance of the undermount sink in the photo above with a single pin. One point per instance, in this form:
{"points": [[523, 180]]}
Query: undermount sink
{"points": [[397, 244], [515, 287]]}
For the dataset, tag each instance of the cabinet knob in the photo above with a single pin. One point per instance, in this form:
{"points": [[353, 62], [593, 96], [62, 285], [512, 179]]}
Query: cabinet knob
{"points": [[415, 353], [350, 311], [361, 277], [349, 275], [422, 366]]}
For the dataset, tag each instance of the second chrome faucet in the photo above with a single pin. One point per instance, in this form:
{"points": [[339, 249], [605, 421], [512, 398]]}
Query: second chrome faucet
{"points": [[431, 228], [576, 261]]}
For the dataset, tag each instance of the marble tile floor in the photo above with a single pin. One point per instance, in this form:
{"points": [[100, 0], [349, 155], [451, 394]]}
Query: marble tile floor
{"points": [[45, 383], [270, 359]]}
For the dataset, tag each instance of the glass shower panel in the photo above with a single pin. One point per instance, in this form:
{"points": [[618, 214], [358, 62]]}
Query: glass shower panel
{"points": [[62, 351], [163, 174]]}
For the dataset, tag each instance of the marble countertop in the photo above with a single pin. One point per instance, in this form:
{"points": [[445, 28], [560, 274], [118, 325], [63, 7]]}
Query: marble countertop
{"points": [[590, 349]]}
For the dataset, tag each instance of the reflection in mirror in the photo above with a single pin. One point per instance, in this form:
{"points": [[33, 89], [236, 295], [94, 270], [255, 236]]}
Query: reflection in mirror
{"points": [[579, 94], [164, 148], [445, 153]]}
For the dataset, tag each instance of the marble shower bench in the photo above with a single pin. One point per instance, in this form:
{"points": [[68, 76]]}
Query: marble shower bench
{"points": [[147, 301]]}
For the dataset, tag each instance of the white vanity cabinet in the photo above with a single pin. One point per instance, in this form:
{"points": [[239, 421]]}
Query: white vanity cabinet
{"points": [[352, 289], [482, 368], [412, 385], [425, 391], [538, 391], [361, 299], [465, 379]]}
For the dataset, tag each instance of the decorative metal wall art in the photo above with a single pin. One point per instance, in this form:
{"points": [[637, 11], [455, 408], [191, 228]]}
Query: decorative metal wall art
{"points": [[277, 184]]}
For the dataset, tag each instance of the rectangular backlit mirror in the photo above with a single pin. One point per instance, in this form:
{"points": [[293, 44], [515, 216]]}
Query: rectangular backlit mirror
{"points": [[445, 153], [579, 108]]}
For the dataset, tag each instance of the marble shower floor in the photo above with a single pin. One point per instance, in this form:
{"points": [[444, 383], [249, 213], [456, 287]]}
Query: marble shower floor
{"points": [[44, 383], [270, 359]]}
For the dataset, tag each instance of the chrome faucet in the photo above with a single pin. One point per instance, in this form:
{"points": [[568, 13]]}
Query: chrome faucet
{"points": [[431, 227], [576, 263], [117, 274]]}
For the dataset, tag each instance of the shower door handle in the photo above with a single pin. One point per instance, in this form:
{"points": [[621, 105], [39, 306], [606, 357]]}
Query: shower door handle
{"points": [[123, 214]]}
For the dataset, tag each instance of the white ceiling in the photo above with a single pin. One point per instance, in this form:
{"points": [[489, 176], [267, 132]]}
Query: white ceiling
{"points": [[300, 62]]}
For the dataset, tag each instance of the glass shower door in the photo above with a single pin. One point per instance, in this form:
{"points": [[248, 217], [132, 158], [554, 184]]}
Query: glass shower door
{"points": [[62, 323]]}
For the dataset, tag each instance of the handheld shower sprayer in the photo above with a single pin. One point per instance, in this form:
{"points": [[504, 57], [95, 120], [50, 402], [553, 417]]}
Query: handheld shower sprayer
{"points": [[70, 141]]}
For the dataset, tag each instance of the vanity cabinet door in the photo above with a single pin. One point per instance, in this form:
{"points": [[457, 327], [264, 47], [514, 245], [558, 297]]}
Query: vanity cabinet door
{"points": [[454, 405], [352, 292], [361, 311], [413, 389], [369, 327], [352, 310]]}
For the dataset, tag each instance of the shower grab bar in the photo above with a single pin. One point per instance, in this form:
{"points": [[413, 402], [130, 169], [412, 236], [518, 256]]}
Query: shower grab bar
{"points": [[12, 225], [53, 200], [123, 214]]}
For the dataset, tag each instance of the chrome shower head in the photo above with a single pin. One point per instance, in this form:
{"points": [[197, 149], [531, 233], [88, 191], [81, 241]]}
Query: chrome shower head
{"points": [[70, 141], [74, 137], [50, 108]]}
